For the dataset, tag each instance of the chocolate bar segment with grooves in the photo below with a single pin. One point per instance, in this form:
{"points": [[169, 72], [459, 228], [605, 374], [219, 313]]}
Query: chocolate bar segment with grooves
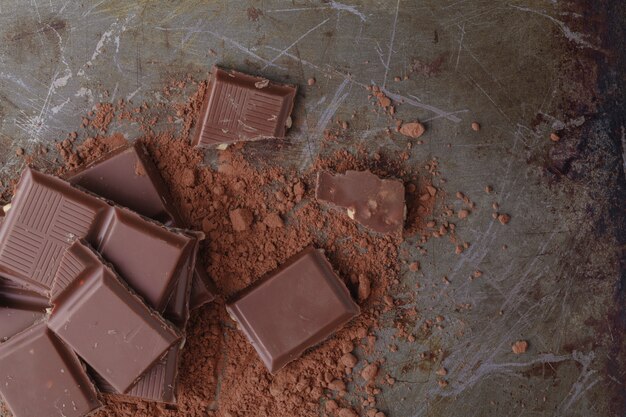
{"points": [[40, 376], [240, 107], [129, 177], [107, 325], [376, 203], [19, 309], [48, 214], [293, 308]]}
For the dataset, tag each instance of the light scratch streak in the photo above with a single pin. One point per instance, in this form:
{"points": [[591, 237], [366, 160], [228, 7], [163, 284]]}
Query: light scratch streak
{"points": [[391, 41], [294, 43], [458, 55]]}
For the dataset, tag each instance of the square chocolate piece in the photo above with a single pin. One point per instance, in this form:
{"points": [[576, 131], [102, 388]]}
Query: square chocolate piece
{"points": [[376, 203], [105, 323], [241, 107], [40, 376], [294, 308]]}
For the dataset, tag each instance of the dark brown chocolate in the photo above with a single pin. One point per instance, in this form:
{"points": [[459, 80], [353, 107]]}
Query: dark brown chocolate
{"points": [[108, 326], [129, 177], [376, 203], [41, 377], [47, 214], [294, 308], [241, 107], [19, 309]]}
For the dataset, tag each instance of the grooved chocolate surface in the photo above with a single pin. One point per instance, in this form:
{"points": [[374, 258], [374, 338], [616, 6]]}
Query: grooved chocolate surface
{"points": [[19, 309], [107, 325], [47, 214], [42, 377], [374, 202], [293, 308], [240, 107], [129, 177]]}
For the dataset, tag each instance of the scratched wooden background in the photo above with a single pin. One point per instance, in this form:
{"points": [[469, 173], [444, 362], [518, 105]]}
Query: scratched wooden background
{"points": [[522, 68]]}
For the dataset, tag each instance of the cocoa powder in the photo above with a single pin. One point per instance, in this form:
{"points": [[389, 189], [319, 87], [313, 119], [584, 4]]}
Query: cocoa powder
{"points": [[256, 216]]}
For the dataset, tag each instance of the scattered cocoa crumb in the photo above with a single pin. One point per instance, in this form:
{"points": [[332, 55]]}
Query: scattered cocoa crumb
{"points": [[488, 189], [311, 81], [519, 347], [347, 412], [414, 266], [241, 219], [475, 126], [19, 151], [504, 218], [365, 288], [396, 78], [463, 214], [442, 383], [412, 130], [369, 372], [273, 220], [348, 360], [442, 371], [554, 137], [477, 274]]}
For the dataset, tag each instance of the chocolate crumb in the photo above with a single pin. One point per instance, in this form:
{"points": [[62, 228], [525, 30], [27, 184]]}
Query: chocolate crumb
{"points": [[412, 130], [241, 219], [311, 81], [504, 218], [370, 372], [475, 126], [519, 347], [554, 137]]}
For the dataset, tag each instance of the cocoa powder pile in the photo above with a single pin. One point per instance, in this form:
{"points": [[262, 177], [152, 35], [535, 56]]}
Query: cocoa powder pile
{"points": [[256, 216]]}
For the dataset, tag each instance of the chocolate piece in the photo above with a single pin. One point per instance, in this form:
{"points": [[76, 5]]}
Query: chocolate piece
{"points": [[19, 309], [48, 214], [106, 324], [376, 203], [129, 177], [294, 308], [159, 383], [240, 107], [40, 376]]}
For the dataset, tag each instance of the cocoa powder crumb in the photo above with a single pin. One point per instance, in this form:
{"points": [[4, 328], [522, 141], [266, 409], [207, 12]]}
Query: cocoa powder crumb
{"points": [[519, 347], [504, 218], [475, 126], [241, 219], [413, 130], [311, 81], [369, 372]]}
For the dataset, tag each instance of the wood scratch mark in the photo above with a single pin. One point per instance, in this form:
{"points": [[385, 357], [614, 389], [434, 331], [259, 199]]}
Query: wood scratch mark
{"points": [[575, 37], [226, 39], [332, 5], [458, 55], [294, 43], [391, 41], [399, 98]]}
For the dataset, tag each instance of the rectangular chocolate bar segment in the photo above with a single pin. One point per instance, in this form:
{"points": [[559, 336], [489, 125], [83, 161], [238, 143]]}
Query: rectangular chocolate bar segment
{"points": [[19, 309], [376, 203], [107, 325], [148, 256], [240, 107], [293, 309], [129, 177], [40, 376], [48, 214]]}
